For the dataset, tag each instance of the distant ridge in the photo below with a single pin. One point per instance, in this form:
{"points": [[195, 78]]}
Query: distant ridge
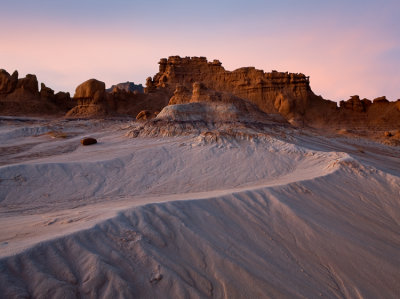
{"points": [[127, 86]]}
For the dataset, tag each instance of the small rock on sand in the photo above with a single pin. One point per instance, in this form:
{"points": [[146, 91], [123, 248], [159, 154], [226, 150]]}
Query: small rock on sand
{"points": [[88, 141]]}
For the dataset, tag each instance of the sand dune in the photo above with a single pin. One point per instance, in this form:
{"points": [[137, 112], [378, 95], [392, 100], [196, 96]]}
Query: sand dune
{"points": [[298, 215]]}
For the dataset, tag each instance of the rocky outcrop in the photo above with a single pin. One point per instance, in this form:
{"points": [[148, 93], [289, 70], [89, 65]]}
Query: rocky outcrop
{"points": [[289, 94], [29, 85], [248, 83], [275, 92], [127, 87], [89, 88], [144, 115], [355, 104], [194, 79], [22, 97], [377, 114], [8, 82], [225, 106], [46, 92], [91, 100]]}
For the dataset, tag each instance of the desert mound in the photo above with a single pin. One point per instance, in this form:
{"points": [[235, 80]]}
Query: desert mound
{"points": [[286, 214]]}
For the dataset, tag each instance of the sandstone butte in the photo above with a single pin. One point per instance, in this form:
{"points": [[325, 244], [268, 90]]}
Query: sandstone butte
{"points": [[178, 81]]}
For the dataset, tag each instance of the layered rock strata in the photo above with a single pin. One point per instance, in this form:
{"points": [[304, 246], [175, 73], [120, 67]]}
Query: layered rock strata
{"points": [[289, 94]]}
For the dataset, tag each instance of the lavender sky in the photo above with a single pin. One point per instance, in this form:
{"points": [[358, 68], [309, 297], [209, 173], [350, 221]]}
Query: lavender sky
{"points": [[346, 47]]}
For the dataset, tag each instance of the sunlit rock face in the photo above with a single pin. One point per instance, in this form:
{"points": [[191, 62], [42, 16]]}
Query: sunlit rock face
{"points": [[288, 94], [248, 82]]}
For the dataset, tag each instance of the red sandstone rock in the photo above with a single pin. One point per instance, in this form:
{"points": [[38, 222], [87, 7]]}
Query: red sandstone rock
{"points": [[88, 141], [87, 89], [22, 97], [91, 100], [144, 115], [286, 93], [8, 83], [46, 92]]}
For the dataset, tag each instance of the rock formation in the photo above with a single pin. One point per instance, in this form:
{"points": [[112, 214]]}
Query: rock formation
{"points": [[226, 106], [144, 115], [93, 101], [276, 92], [8, 83], [194, 79], [376, 114], [127, 87], [201, 110], [247, 83], [22, 97]]}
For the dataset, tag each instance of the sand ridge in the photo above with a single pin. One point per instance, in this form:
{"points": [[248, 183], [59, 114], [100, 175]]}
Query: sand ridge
{"points": [[292, 216]]}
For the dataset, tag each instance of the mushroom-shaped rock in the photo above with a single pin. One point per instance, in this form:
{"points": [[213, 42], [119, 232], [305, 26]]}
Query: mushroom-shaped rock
{"points": [[89, 88], [88, 141], [144, 115]]}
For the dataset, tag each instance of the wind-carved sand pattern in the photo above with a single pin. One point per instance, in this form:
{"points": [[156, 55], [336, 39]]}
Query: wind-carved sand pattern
{"points": [[219, 211]]}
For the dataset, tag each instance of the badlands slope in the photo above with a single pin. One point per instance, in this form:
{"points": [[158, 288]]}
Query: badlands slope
{"points": [[284, 213]]}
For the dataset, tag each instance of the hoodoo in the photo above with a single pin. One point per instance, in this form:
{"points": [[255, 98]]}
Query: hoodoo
{"points": [[288, 94]]}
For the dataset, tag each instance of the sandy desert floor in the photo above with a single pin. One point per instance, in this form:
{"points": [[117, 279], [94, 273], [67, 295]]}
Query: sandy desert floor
{"points": [[291, 215]]}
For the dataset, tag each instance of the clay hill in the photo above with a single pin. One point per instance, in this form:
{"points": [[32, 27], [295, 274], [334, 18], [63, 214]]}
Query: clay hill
{"points": [[288, 94]]}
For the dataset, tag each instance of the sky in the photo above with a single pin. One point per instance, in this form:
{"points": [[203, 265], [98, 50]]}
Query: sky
{"points": [[346, 47]]}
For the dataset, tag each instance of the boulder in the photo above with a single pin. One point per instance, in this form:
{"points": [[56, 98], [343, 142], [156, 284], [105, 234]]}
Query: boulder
{"points": [[88, 141]]}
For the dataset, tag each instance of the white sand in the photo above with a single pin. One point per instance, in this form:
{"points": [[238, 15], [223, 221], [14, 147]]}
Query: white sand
{"points": [[290, 216]]}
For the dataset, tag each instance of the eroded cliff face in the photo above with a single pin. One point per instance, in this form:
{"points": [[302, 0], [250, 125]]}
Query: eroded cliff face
{"points": [[379, 113], [22, 97], [289, 94], [194, 79], [276, 92], [248, 83], [238, 107]]}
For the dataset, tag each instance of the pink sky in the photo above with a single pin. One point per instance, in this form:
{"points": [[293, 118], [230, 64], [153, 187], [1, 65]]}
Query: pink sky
{"points": [[343, 55]]}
